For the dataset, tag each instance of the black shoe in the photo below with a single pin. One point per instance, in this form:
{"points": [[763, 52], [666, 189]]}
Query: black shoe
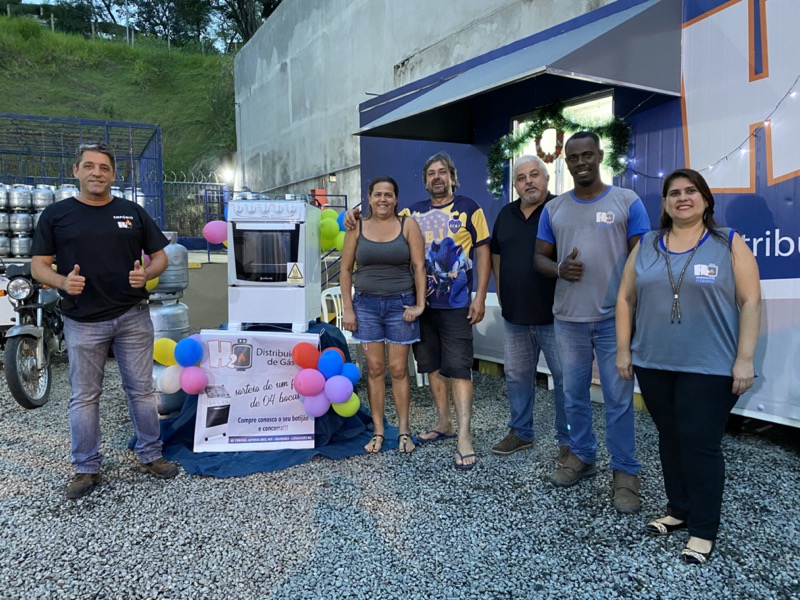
{"points": [[81, 484], [693, 557], [657, 528]]}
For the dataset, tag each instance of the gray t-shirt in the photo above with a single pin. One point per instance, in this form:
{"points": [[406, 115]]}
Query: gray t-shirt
{"points": [[705, 340], [600, 230]]}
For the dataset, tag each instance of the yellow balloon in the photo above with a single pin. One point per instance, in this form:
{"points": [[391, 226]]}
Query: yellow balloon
{"points": [[349, 408], [329, 213], [151, 284], [225, 243], [164, 351]]}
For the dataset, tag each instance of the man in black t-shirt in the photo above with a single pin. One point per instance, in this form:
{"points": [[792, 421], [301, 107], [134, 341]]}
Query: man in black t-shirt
{"points": [[99, 240], [526, 299]]}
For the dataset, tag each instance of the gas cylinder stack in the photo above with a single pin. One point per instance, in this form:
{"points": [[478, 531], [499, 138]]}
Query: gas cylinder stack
{"points": [[170, 316]]}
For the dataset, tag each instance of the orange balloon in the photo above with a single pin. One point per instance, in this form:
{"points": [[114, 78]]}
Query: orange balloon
{"points": [[305, 355], [335, 349]]}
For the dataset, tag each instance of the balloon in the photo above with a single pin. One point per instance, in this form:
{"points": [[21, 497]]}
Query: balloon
{"points": [[316, 405], [352, 372], [164, 351], [169, 381], [309, 382], [340, 221], [145, 260], [225, 243], [329, 364], [326, 245], [188, 352], [328, 229], [151, 284], [339, 241], [193, 380], [334, 349], [215, 232], [305, 355], [328, 213], [199, 340], [338, 389], [349, 408]]}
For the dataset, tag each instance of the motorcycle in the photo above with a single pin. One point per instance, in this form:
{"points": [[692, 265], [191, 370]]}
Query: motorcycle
{"points": [[37, 335]]}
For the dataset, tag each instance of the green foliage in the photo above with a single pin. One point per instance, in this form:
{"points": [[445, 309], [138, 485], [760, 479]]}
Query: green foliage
{"points": [[189, 95], [615, 130]]}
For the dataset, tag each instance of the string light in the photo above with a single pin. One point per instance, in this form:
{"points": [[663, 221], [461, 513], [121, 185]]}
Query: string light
{"points": [[741, 148]]}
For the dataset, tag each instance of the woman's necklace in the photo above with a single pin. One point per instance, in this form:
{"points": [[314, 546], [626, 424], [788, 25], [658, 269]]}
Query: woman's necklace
{"points": [[676, 289]]}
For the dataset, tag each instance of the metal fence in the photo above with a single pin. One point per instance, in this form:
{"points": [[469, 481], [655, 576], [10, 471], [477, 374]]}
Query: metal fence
{"points": [[189, 205], [41, 150]]}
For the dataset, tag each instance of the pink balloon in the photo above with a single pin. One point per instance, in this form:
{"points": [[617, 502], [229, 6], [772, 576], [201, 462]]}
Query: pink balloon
{"points": [[317, 405], [145, 260], [215, 232], [193, 380], [338, 389], [309, 382]]}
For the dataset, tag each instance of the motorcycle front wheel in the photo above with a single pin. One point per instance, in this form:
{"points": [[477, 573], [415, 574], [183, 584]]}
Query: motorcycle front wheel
{"points": [[29, 386]]}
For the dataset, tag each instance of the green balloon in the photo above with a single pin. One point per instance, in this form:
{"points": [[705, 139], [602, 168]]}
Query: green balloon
{"points": [[328, 213], [328, 229], [339, 241], [327, 244], [347, 409]]}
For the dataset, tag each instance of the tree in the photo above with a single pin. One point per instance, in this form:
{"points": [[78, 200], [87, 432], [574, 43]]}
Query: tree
{"points": [[179, 21], [245, 16]]}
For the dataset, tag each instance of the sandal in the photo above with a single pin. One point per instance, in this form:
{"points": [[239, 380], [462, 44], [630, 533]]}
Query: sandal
{"points": [[657, 528], [403, 442], [374, 440]]}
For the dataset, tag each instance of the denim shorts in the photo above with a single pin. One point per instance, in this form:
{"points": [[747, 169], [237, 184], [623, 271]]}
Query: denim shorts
{"points": [[380, 319]]}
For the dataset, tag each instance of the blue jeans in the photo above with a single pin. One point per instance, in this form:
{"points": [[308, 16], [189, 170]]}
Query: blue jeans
{"points": [[521, 346], [577, 343], [131, 336]]}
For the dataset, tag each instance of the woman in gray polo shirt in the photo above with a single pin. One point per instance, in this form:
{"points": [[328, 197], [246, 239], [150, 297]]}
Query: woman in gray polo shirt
{"points": [[691, 296], [389, 297]]}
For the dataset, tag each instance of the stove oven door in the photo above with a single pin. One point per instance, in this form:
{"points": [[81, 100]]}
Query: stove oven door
{"points": [[262, 252]]}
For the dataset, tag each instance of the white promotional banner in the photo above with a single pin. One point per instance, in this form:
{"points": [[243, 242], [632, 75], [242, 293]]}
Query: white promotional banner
{"points": [[250, 402]]}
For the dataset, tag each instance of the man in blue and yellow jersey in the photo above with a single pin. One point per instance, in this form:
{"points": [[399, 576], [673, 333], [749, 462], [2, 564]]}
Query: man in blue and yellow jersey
{"points": [[456, 243]]}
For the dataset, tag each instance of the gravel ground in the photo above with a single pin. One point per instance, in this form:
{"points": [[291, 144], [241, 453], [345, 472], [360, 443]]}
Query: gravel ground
{"points": [[384, 526]]}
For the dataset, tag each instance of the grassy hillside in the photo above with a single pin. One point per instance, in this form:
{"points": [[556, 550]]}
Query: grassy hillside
{"points": [[57, 75]]}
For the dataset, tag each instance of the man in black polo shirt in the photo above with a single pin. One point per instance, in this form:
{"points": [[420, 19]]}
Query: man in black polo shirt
{"points": [[526, 298]]}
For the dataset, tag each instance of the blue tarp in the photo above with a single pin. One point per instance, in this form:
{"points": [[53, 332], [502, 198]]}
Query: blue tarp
{"points": [[335, 437]]}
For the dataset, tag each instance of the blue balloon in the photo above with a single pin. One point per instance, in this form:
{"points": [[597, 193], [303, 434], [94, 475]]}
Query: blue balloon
{"points": [[340, 221], [330, 364], [352, 372], [188, 352]]}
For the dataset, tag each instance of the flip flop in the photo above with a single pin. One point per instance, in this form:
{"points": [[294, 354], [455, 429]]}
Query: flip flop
{"points": [[464, 466], [439, 436]]}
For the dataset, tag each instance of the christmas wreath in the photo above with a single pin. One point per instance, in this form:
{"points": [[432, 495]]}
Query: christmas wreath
{"points": [[615, 131]]}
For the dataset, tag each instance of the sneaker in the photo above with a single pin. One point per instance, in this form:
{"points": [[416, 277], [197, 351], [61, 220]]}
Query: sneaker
{"points": [[81, 484], [563, 453], [510, 444], [626, 492], [163, 469], [572, 471]]}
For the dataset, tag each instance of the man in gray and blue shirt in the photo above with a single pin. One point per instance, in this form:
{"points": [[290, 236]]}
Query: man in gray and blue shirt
{"points": [[584, 239]]}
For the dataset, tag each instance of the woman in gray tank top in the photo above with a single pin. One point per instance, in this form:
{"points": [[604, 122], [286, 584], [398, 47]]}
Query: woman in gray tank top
{"points": [[691, 297], [389, 297]]}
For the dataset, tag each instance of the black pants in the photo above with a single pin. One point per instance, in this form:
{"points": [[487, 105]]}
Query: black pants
{"points": [[690, 412]]}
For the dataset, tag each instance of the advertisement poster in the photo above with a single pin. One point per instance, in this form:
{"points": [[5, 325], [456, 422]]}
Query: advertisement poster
{"points": [[250, 402]]}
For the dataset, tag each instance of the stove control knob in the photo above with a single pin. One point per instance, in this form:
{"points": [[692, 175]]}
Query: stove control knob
{"points": [[292, 209], [278, 208], [251, 208], [237, 208]]}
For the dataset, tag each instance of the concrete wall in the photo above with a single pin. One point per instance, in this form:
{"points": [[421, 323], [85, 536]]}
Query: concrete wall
{"points": [[300, 80]]}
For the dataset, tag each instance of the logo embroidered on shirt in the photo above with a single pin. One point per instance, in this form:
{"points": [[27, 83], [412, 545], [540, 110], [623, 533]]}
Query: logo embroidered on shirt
{"points": [[123, 222], [706, 273], [605, 218]]}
